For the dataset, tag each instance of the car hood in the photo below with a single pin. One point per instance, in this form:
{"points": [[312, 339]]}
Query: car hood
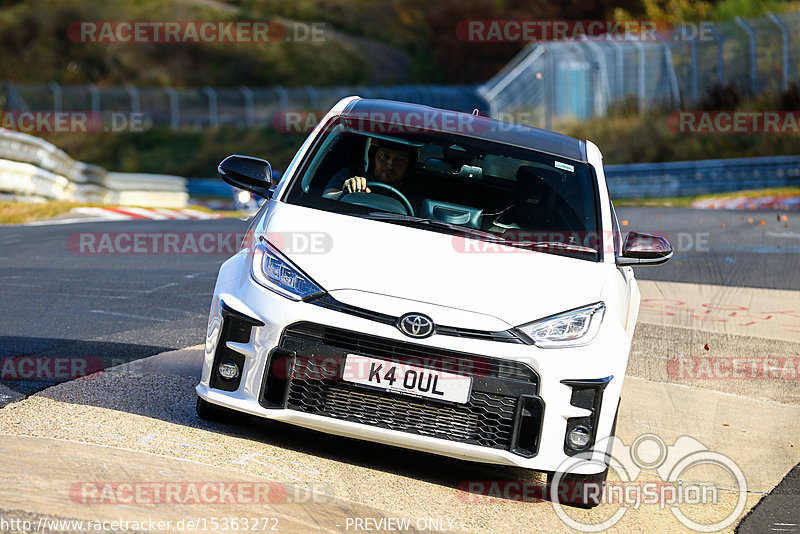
{"points": [[358, 260]]}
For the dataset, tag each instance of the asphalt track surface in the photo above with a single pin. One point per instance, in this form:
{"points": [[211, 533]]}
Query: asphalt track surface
{"points": [[124, 307], [116, 307], [59, 299], [727, 248]]}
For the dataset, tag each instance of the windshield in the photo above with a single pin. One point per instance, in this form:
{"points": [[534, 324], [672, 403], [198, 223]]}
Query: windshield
{"points": [[453, 184]]}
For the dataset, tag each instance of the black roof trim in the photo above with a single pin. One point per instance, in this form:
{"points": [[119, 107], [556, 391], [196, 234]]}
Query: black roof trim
{"points": [[400, 116]]}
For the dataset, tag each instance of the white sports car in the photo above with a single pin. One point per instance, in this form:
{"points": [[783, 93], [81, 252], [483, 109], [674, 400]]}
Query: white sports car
{"points": [[433, 280]]}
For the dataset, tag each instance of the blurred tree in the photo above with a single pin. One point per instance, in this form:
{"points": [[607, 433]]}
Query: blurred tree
{"points": [[670, 11]]}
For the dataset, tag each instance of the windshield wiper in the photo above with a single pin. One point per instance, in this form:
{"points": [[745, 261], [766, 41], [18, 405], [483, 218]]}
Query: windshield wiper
{"points": [[384, 216], [489, 236]]}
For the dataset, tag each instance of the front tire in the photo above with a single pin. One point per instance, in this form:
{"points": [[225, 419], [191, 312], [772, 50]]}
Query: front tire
{"points": [[211, 412], [581, 491]]}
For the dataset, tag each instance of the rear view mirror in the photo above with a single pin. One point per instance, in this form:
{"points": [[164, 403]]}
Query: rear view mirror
{"points": [[248, 173], [644, 249], [467, 172]]}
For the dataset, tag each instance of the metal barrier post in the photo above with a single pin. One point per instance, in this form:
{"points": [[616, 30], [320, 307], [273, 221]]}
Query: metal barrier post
{"points": [[751, 34], [619, 63], [283, 98], [720, 55], [600, 91], [784, 49], [57, 96], [213, 113], [640, 86], [693, 66], [94, 95], [249, 106], [15, 101], [134, 94], [313, 97], [174, 108], [673, 78]]}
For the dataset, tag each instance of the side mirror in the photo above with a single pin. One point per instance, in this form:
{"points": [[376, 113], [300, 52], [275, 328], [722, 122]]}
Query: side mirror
{"points": [[248, 173], [644, 249]]}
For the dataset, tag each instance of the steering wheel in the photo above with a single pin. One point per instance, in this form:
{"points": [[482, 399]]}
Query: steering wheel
{"points": [[400, 196]]}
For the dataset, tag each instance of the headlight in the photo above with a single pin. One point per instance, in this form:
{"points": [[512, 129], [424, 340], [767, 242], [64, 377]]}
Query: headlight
{"points": [[568, 329], [274, 271]]}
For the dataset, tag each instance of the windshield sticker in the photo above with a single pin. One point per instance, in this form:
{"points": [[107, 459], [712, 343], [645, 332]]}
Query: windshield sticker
{"points": [[564, 167]]}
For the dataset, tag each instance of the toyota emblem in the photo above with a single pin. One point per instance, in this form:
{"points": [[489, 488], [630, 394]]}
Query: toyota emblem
{"points": [[415, 325]]}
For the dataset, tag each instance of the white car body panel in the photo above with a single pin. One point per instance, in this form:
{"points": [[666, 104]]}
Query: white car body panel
{"points": [[393, 270], [380, 272]]}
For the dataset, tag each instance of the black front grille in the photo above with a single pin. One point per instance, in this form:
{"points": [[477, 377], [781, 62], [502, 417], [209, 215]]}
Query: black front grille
{"points": [[316, 354], [486, 420], [481, 366]]}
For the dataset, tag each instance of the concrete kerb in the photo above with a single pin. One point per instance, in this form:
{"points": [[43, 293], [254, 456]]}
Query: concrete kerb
{"points": [[754, 433]]}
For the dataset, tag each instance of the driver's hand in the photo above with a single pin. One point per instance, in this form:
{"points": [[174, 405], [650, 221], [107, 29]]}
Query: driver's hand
{"points": [[356, 184]]}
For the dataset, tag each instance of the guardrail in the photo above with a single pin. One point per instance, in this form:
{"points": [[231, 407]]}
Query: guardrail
{"points": [[245, 107], [685, 178], [33, 169]]}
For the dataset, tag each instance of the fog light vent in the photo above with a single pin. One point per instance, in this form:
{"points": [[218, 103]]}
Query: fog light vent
{"points": [[579, 437], [582, 431], [228, 370]]}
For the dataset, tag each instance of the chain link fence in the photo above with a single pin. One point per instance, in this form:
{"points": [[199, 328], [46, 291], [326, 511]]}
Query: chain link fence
{"points": [[581, 79], [547, 81], [203, 107]]}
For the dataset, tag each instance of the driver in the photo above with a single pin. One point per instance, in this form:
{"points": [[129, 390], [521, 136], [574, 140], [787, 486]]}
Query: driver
{"points": [[387, 162]]}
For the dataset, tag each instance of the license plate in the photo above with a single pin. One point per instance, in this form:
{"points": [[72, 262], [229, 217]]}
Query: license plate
{"points": [[407, 379]]}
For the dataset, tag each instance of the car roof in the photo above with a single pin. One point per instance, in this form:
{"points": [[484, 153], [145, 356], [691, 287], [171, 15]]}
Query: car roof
{"points": [[409, 117]]}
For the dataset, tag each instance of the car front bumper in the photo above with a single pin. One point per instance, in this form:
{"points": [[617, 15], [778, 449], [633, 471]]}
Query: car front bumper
{"points": [[523, 401]]}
